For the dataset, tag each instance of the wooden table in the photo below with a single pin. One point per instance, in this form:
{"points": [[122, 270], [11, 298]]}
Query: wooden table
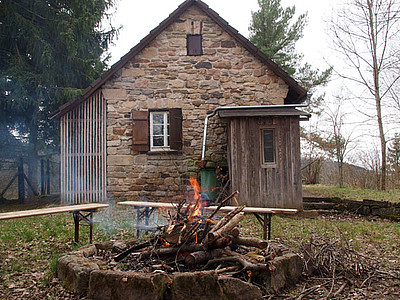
{"points": [[264, 220], [81, 212]]}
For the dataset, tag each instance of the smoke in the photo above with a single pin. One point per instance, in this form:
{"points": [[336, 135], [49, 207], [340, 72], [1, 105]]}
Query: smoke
{"points": [[121, 222]]}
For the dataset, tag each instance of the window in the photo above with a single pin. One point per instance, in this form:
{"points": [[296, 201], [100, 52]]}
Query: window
{"points": [[159, 130], [268, 146], [194, 44]]}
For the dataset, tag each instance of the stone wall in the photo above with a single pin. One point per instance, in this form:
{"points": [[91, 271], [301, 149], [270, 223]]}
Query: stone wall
{"points": [[384, 209], [163, 76]]}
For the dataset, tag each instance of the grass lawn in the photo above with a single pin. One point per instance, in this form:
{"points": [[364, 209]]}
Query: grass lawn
{"points": [[319, 190], [30, 247]]}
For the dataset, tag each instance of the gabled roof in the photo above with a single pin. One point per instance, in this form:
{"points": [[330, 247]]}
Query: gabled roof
{"points": [[296, 92]]}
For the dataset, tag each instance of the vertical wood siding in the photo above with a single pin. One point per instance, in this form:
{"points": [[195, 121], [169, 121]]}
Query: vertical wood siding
{"points": [[83, 152], [273, 186]]}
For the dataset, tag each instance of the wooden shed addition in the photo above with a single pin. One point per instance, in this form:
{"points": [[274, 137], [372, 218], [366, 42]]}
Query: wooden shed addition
{"points": [[264, 155]]}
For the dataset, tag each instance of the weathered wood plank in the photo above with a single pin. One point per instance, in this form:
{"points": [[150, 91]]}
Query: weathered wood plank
{"points": [[51, 210], [210, 208]]}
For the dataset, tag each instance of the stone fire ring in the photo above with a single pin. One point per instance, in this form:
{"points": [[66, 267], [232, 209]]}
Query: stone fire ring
{"points": [[85, 277]]}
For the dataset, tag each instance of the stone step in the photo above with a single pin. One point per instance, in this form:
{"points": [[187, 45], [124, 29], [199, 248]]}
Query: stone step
{"points": [[319, 206], [321, 199]]}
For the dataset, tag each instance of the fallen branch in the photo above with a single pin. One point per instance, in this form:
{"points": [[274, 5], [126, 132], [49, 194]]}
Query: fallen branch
{"points": [[340, 290], [247, 266]]}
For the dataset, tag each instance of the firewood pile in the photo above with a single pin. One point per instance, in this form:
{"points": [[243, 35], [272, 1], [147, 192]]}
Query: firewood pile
{"points": [[334, 269], [194, 241]]}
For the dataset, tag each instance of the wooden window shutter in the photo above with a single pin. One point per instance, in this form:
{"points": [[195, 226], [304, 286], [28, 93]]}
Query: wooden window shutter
{"points": [[140, 132], [175, 127], [194, 44]]}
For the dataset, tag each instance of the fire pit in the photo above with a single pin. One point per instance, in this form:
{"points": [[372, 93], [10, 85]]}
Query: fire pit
{"points": [[87, 274], [193, 256]]}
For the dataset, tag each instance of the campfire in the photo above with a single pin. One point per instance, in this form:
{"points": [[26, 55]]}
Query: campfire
{"points": [[198, 247], [194, 239]]}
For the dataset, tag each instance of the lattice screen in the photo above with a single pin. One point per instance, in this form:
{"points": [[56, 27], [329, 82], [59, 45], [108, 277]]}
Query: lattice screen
{"points": [[83, 152]]}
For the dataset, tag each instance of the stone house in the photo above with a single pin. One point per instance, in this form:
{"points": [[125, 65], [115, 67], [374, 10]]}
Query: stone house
{"points": [[138, 130]]}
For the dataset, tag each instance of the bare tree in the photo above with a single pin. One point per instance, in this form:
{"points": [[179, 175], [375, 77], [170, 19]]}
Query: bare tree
{"points": [[338, 141], [312, 152], [366, 33], [370, 161]]}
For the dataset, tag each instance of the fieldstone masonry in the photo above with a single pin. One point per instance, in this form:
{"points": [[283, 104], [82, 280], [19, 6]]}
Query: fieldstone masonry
{"points": [[163, 76], [81, 272]]}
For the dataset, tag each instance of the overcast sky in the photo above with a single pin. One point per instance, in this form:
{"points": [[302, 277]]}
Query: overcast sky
{"points": [[139, 17]]}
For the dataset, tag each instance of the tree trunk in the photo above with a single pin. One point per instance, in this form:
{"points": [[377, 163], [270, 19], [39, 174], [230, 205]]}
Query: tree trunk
{"points": [[33, 159], [378, 102]]}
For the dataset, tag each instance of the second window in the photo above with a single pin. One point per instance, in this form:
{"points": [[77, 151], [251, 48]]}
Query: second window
{"points": [[268, 146]]}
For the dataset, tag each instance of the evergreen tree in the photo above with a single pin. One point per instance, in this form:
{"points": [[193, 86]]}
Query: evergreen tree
{"points": [[394, 161], [49, 52], [275, 33], [272, 32]]}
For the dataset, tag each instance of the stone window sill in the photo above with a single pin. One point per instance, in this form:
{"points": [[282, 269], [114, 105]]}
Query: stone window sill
{"points": [[164, 152]]}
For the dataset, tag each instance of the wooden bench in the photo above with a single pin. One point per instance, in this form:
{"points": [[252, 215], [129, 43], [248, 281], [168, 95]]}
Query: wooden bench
{"points": [[263, 215], [81, 212]]}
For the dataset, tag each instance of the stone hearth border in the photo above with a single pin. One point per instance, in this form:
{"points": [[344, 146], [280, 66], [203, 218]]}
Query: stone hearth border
{"points": [[85, 277]]}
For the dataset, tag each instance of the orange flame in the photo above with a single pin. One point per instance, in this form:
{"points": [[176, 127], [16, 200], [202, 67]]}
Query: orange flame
{"points": [[165, 243], [196, 211], [196, 187]]}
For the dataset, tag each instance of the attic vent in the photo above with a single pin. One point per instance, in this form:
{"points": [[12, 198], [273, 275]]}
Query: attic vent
{"points": [[194, 44]]}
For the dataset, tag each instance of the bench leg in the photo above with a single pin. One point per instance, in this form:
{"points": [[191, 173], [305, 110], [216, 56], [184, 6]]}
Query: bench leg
{"points": [[138, 219], [76, 222], [91, 228], [142, 213], [88, 219], [265, 223]]}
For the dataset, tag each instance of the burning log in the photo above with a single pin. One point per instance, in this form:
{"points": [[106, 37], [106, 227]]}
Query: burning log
{"points": [[224, 225], [213, 235], [202, 256], [226, 218], [170, 250], [124, 254]]}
